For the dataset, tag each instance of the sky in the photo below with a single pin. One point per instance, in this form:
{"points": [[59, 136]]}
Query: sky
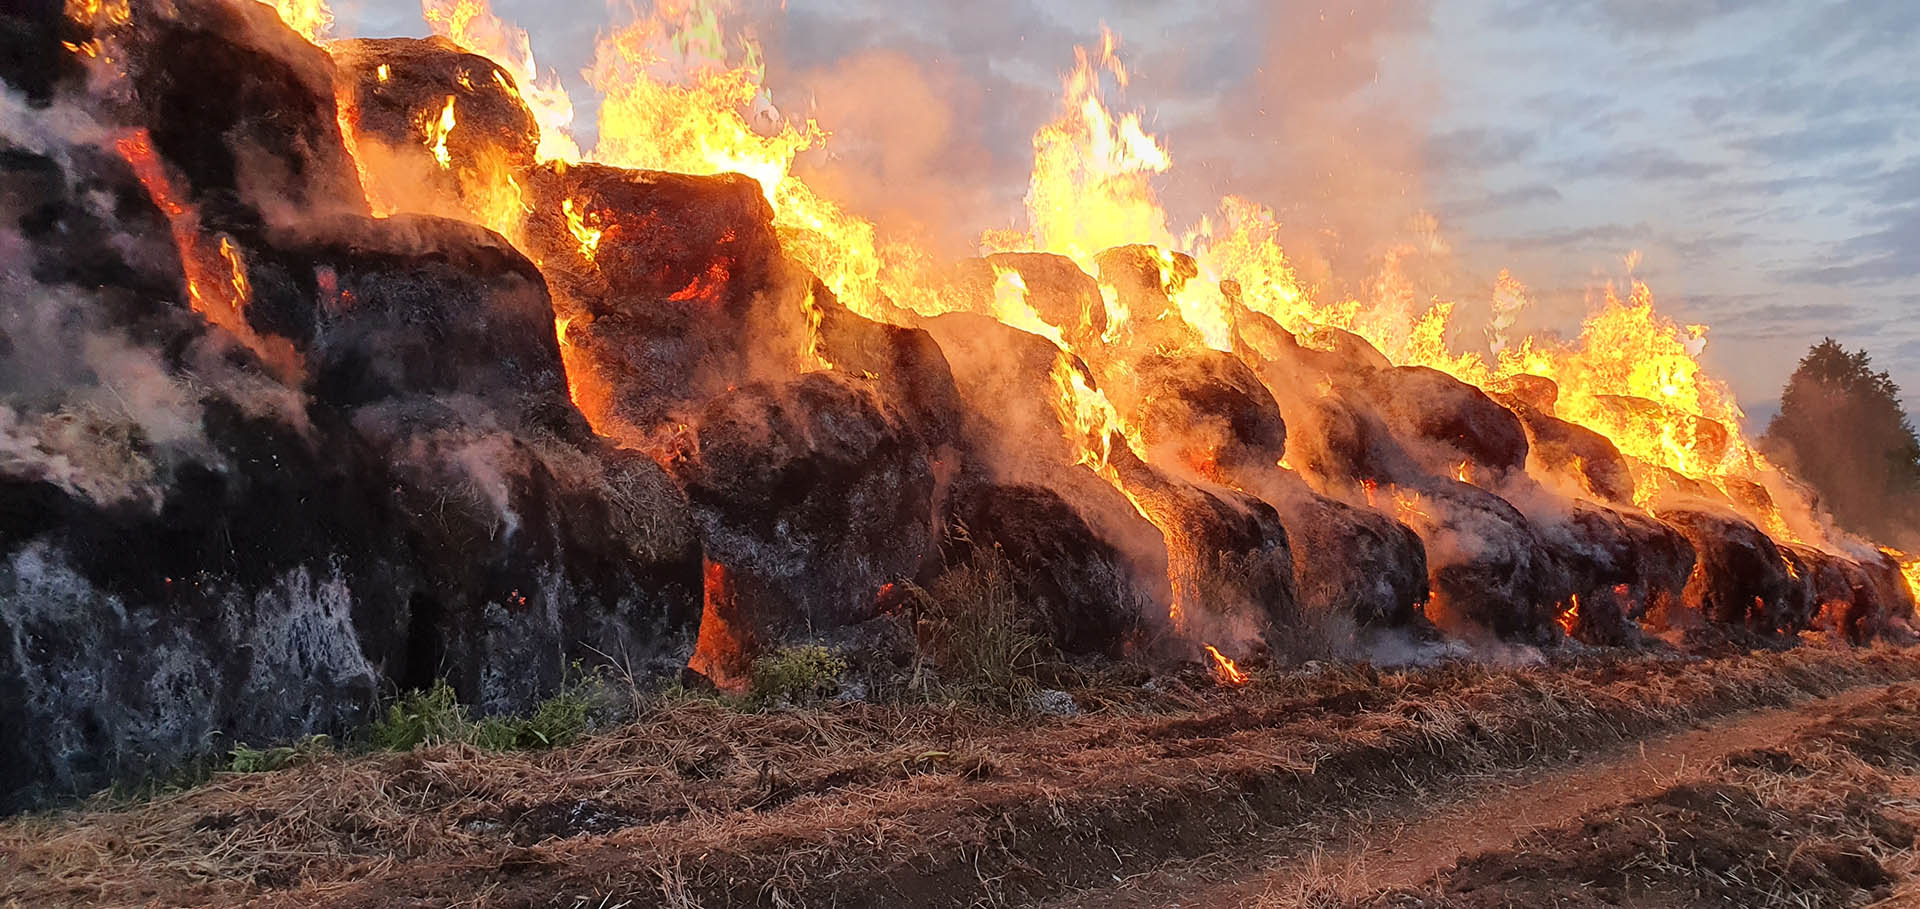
{"points": [[1762, 157]]}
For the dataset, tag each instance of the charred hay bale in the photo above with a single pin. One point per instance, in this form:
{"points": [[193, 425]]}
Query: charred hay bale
{"points": [[1559, 448], [1228, 557], [185, 557], [414, 305], [1616, 567], [1818, 579], [1487, 567], [1083, 589], [1454, 420], [907, 367], [810, 497], [1663, 563], [1354, 563], [34, 59], [252, 602], [535, 552], [86, 222], [243, 107], [1209, 412], [224, 558], [1739, 578]]}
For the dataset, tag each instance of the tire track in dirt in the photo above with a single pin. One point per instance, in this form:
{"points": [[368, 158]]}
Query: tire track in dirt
{"points": [[1401, 844]]}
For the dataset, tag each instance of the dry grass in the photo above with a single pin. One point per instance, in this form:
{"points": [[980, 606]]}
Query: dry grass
{"points": [[852, 797], [974, 633], [1827, 819]]}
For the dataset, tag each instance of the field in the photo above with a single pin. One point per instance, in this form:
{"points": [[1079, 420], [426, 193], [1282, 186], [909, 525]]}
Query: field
{"points": [[1783, 779]]}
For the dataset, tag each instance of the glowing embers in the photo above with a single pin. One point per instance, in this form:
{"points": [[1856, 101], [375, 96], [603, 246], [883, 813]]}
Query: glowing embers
{"points": [[1226, 671], [217, 286], [98, 12], [215, 271], [1570, 616]]}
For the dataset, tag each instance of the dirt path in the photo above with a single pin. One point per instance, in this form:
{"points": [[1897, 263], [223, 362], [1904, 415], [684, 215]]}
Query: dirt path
{"points": [[1401, 845]]}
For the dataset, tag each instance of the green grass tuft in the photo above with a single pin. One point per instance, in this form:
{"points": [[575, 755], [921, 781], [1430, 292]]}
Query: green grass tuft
{"points": [[798, 675], [436, 717]]}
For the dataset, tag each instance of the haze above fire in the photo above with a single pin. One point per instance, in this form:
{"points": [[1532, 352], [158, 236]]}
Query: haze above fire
{"points": [[1759, 155]]}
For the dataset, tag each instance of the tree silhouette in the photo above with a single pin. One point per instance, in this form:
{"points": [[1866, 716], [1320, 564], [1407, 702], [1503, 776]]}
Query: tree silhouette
{"points": [[1842, 430]]}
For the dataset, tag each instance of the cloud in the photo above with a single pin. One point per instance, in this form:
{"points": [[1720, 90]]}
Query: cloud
{"points": [[1479, 147], [1531, 194], [1626, 18], [1610, 238], [1642, 164], [1821, 140]]}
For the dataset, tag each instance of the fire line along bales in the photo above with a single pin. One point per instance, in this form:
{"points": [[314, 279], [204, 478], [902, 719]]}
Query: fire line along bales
{"points": [[379, 410]]}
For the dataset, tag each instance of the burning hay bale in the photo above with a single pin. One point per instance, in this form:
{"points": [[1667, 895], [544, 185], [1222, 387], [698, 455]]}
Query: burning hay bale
{"points": [[810, 497], [1823, 584], [907, 367], [285, 455], [1143, 280], [1445, 422], [645, 239], [1083, 591], [1018, 421], [1228, 557], [390, 83], [1354, 563], [435, 128], [1060, 294], [1881, 598], [1011, 382], [413, 305], [1488, 567], [243, 107], [1557, 448], [1210, 416], [435, 339], [1739, 579], [1209, 413], [670, 289], [1614, 568]]}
